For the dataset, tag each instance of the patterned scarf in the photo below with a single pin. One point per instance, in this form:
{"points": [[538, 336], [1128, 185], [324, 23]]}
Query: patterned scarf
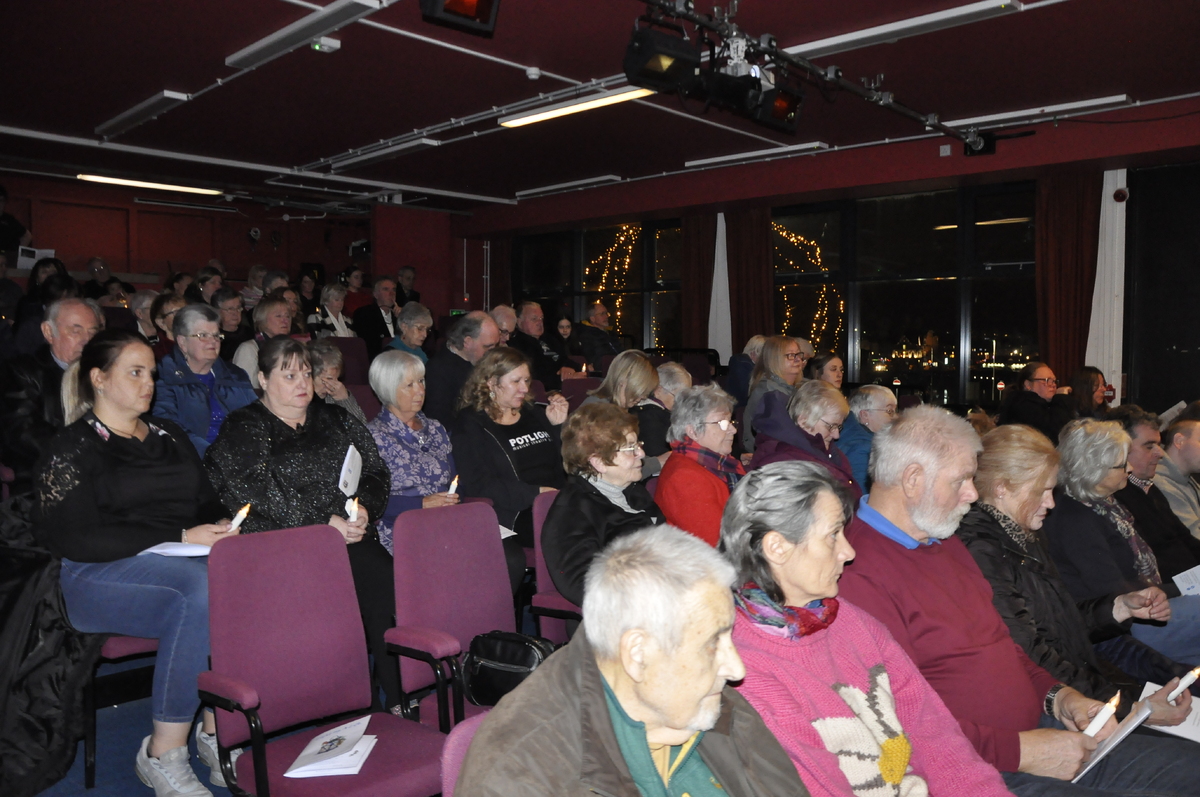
{"points": [[1019, 534], [1115, 513], [720, 465], [757, 606]]}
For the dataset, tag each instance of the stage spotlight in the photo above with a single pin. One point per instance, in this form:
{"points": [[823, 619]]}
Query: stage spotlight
{"points": [[780, 109], [660, 61], [471, 16], [738, 93]]}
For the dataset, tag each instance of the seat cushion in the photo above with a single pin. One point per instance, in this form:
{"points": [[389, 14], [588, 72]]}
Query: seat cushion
{"points": [[406, 762], [552, 599]]}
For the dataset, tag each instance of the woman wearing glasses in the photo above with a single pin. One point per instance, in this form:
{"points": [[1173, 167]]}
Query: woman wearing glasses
{"points": [[603, 498], [696, 481], [778, 370], [1042, 404], [815, 415], [196, 388]]}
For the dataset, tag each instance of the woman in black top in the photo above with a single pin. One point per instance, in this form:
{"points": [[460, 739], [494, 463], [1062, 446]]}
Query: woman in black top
{"points": [[110, 485], [506, 448], [283, 455]]}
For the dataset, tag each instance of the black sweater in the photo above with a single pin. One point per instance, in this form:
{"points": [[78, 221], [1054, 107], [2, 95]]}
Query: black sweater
{"points": [[445, 375], [1048, 417], [544, 361], [1174, 546], [100, 499]]}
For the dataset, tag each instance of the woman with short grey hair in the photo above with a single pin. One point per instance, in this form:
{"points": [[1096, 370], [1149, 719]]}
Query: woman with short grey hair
{"points": [[809, 657], [330, 320], [413, 323], [139, 305], [698, 476], [327, 364]]}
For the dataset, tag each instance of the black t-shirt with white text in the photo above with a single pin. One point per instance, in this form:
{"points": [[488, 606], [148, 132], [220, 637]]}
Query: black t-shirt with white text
{"points": [[533, 450]]}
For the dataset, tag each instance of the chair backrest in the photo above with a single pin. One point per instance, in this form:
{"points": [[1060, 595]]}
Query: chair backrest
{"points": [[606, 362], [696, 364], [457, 744], [541, 508], [576, 390], [355, 362], [366, 399], [652, 485], [120, 318], [284, 619], [538, 391], [450, 576]]}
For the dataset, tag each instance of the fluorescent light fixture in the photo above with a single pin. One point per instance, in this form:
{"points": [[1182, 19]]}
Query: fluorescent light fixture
{"points": [[160, 103], [184, 189], [990, 223], [1030, 114], [191, 205], [364, 158], [549, 189], [892, 31], [337, 14], [585, 103], [758, 154]]}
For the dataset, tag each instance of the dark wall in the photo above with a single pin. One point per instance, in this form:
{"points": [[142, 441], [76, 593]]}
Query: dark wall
{"points": [[1162, 319]]}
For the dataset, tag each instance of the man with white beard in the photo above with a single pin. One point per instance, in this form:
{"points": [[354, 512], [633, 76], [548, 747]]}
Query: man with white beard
{"points": [[914, 575]]}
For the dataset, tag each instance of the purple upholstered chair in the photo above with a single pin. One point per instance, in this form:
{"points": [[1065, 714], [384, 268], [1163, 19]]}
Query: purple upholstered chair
{"points": [[456, 750], [288, 648], [451, 585], [114, 688], [355, 361], [550, 608], [367, 400], [576, 390]]}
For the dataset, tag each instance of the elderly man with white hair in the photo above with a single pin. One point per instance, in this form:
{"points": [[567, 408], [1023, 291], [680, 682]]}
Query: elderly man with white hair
{"points": [[915, 576], [872, 407], [637, 703]]}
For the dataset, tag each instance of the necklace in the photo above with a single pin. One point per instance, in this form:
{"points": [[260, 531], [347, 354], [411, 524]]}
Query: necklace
{"points": [[136, 425]]}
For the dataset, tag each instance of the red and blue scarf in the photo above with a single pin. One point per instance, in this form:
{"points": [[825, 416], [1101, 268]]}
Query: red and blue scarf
{"points": [[723, 466], [757, 606]]}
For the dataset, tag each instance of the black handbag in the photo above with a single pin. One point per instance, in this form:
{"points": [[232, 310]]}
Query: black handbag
{"points": [[497, 662]]}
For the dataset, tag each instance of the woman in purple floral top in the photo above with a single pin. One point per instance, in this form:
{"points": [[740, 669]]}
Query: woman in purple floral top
{"points": [[415, 448]]}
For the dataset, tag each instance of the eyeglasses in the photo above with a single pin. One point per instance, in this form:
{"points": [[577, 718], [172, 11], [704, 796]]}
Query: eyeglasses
{"points": [[832, 426], [206, 336], [1122, 466], [1049, 380], [888, 411], [724, 424], [797, 355], [632, 448]]}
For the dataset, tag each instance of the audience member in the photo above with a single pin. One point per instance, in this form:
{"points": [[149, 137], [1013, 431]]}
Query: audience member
{"points": [[283, 455], [29, 330], [140, 304], [253, 292], [915, 576], [114, 483], [603, 498], [309, 296], [506, 319], [654, 411], [468, 339], [1087, 391], [413, 323], [833, 686], [30, 402], [235, 325], [114, 294], [356, 295], [563, 340], [778, 370], [1095, 542], [827, 367], [10, 293], [208, 281], [330, 319], [162, 312], [218, 265], [296, 321], [97, 286], [376, 322], [272, 319], [32, 303], [405, 277], [177, 283], [12, 232], [872, 407], [1181, 445], [415, 448], [806, 431], [196, 388], [595, 339], [643, 685], [273, 281], [741, 368], [1040, 404], [507, 449], [700, 472], [549, 366], [630, 379], [327, 365]]}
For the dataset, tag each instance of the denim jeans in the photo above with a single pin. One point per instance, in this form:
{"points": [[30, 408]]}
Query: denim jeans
{"points": [[1179, 639], [157, 597], [1140, 766]]}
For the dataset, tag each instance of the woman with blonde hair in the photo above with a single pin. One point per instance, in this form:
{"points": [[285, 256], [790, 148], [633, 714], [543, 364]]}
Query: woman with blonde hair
{"points": [[630, 378], [779, 369]]}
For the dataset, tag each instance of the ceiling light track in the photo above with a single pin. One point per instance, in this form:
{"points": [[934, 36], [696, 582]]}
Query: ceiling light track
{"points": [[558, 188], [143, 112], [321, 22]]}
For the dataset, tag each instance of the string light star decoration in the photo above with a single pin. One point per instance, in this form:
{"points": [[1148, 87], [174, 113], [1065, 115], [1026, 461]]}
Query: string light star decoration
{"points": [[611, 267], [791, 247]]}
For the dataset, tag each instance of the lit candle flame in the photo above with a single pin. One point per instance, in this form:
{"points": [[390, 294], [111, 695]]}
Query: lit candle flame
{"points": [[354, 511], [1184, 683], [453, 486], [239, 517]]}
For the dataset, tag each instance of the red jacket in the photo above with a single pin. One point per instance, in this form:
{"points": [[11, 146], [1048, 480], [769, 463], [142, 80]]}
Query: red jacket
{"points": [[692, 498]]}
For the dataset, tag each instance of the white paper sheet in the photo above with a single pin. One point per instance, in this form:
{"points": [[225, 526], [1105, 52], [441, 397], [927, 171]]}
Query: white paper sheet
{"points": [[1188, 581], [351, 472], [178, 549], [1188, 729], [1127, 726], [335, 749], [348, 764]]}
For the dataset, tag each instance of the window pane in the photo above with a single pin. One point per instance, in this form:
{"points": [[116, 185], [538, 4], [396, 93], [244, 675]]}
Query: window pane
{"points": [[612, 258], [545, 264], [668, 254], [815, 312], [625, 315], [666, 324], [910, 333], [1004, 228], [808, 243], [907, 236], [1003, 336]]}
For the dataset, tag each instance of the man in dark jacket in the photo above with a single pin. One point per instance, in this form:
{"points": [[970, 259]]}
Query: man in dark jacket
{"points": [[594, 337], [643, 684], [377, 321], [470, 338], [1041, 404], [527, 339]]}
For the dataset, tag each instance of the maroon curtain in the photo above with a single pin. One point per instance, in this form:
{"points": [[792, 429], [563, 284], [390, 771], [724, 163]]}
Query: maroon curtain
{"points": [[1068, 231], [751, 274], [696, 279]]}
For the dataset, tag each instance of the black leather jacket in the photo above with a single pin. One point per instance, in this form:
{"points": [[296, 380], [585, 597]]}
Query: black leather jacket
{"points": [[30, 412]]}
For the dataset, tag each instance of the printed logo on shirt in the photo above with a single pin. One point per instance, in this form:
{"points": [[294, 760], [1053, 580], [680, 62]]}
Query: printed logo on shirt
{"points": [[527, 440]]}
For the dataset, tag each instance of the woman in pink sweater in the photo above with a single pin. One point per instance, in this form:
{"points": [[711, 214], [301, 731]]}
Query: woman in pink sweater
{"points": [[843, 698]]}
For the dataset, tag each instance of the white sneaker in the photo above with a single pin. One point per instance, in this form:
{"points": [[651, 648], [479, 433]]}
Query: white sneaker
{"points": [[206, 747], [170, 775]]}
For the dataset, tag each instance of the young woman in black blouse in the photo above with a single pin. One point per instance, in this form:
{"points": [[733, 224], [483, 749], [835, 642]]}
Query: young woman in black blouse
{"points": [[113, 483]]}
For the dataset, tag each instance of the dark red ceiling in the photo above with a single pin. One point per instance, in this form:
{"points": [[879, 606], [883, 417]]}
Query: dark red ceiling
{"points": [[71, 66]]}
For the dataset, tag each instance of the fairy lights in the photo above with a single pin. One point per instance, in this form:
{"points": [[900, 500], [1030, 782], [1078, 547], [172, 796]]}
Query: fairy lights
{"points": [[611, 269], [791, 247]]}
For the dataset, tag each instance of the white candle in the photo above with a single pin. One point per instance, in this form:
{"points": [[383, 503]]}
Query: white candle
{"points": [[453, 486], [1103, 716], [1184, 683], [239, 517], [354, 511]]}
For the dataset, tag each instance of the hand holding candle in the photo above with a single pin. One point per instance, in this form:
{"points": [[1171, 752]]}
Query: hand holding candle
{"points": [[453, 486], [1184, 683], [1103, 716], [239, 517]]}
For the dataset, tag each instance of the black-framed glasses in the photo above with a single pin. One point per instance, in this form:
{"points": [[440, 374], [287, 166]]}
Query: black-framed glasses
{"points": [[797, 355], [1122, 466], [833, 426]]}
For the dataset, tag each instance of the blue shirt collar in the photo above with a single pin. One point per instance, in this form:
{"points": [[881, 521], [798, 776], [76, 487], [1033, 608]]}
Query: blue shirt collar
{"points": [[867, 514]]}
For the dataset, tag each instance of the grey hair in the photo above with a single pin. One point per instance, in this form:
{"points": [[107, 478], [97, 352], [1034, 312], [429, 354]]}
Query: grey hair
{"points": [[324, 354], [673, 377], [142, 300], [56, 308], [805, 346], [414, 313], [815, 398], [925, 435], [692, 406], [642, 581], [870, 397], [777, 497], [503, 311], [390, 370], [333, 290], [754, 346], [190, 315], [468, 326], [1088, 447]]}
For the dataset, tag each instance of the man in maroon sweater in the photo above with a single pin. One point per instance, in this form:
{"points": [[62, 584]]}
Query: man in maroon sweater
{"points": [[915, 576]]}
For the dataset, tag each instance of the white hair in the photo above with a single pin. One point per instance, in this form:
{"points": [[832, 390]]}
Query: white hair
{"points": [[673, 377], [1087, 448], [815, 398], [692, 406], [925, 435], [871, 397], [754, 346], [56, 308], [390, 370], [642, 581]]}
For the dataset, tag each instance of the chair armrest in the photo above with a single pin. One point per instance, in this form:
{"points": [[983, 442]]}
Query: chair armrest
{"points": [[436, 644], [227, 692]]}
